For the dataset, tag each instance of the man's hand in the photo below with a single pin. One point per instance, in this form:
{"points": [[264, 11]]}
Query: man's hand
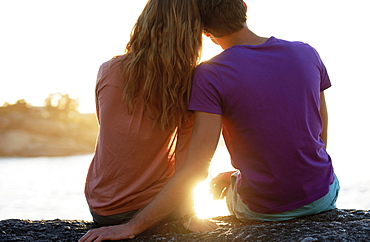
{"points": [[116, 232], [220, 184]]}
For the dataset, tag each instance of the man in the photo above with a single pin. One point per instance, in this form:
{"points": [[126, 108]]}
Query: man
{"points": [[267, 96], [270, 94]]}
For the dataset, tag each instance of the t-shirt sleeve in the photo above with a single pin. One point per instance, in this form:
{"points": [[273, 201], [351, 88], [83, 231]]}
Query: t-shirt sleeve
{"points": [[97, 90], [206, 91], [325, 80]]}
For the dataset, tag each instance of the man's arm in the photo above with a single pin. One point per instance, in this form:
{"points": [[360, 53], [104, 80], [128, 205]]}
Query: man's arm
{"points": [[206, 133], [324, 117]]}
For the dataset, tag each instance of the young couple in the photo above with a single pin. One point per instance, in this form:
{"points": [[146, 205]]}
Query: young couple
{"points": [[161, 116]]}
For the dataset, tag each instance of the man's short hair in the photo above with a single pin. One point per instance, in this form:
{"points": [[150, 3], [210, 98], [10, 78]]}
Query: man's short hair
{"points": [[222, 17]]}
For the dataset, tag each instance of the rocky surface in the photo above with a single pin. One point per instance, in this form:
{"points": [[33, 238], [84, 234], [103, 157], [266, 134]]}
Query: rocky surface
{"points": [[335, 225]]}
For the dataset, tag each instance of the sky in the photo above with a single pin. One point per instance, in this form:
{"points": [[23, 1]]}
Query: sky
{"points": [[51, 46]]}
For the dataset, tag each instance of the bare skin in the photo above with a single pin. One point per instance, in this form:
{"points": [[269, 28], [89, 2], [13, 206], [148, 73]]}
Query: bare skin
{"points": [[220, 184], [119, 232], [325, 119], [205, 136], [206, 133]]}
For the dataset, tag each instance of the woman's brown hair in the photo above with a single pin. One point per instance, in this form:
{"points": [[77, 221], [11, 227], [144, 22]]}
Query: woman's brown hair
{"points": [[162, 54]]}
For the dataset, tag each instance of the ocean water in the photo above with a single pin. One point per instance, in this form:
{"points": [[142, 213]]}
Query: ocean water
{"points": [[50, 188], [43, 188]]}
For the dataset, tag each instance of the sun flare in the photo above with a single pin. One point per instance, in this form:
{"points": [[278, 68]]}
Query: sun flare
{"points": [[204, 204]]}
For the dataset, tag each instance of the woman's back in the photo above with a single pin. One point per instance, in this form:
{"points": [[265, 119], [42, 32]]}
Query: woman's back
{"points": [[141, 100], [132, 159]]}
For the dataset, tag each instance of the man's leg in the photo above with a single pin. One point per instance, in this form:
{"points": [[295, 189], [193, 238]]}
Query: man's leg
{"points": [[242, 212]]}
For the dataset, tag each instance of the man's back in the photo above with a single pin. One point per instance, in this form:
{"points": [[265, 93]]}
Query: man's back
{"points": [[269, 99]]}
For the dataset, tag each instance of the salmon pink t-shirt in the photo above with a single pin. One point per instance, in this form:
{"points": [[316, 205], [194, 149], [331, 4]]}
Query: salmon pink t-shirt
{"points": [[133, 159]]}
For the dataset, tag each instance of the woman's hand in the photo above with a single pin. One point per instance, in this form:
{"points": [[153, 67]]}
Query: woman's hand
{"points": [[197, 225], [116, 232], [220, 184]]}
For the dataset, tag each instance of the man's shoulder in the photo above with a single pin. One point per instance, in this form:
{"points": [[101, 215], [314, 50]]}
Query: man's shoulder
{"points": [[207, 65], [294, 43], [215, 62]]}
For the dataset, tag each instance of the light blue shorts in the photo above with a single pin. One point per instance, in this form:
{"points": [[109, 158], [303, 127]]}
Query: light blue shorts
{"points": [[242, 212]]}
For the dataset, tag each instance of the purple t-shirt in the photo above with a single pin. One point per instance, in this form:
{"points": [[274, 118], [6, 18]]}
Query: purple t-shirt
{"points": [[269, 99]]}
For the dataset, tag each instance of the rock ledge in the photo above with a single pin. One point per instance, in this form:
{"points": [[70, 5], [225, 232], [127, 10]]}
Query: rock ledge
{"points": [[335, 225]]}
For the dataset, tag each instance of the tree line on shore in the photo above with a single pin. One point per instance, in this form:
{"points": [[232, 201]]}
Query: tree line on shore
{"points": [[55, 129], [56, 106]]}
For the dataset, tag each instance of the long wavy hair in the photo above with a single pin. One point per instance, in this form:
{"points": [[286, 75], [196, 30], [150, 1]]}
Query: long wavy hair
{"points": [[161, 56]]}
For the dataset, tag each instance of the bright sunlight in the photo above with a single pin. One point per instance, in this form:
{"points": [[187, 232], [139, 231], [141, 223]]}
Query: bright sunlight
{"points": [[205, 206]]}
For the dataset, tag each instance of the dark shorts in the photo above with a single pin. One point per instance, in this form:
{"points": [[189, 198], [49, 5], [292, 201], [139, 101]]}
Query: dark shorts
{"points": [[121, 218], [112, 219]]}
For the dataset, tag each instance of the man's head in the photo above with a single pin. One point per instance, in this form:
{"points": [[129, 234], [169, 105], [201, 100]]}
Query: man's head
{"points": [[222, 17]]}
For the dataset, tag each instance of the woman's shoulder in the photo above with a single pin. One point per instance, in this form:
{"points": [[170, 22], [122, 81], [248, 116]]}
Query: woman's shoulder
{"points": [[112, 63]]}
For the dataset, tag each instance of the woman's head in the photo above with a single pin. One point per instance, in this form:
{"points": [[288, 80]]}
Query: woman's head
{"points": [[162, 53]]}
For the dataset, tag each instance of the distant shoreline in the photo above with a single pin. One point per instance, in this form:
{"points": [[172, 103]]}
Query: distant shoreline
{"points": [[45, 131]]}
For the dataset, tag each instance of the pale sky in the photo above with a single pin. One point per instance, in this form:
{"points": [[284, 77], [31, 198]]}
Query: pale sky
{"points": [[50, 46]]}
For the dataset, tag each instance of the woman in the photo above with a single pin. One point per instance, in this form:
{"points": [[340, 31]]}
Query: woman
{"points": [[141, 105]]}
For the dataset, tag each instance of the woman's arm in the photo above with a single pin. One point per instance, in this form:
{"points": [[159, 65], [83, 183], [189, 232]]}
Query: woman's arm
{"points": [[204, 140]]}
